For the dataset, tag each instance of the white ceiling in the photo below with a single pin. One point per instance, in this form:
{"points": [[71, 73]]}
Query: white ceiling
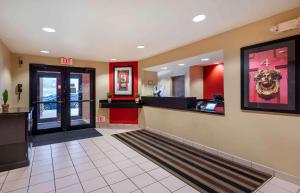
{"points": [[214, 57], [105, 29]]}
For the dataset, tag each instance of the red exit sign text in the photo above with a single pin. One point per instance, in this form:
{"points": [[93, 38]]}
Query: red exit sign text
{"points": [[64, 60]]}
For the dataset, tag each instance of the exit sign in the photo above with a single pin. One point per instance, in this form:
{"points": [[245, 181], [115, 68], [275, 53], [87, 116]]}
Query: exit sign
{"points": [[67, 61]]}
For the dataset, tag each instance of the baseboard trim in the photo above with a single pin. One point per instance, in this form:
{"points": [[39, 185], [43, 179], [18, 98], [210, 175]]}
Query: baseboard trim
{"points": [[254, 165], [14, 165]]}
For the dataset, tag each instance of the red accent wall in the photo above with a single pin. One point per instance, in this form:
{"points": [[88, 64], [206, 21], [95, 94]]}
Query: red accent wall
{"points": [[123, 115], [213, 80]]}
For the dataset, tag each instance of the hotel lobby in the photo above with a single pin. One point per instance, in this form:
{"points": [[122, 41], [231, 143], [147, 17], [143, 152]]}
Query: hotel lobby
{"points": [[128, 96]]}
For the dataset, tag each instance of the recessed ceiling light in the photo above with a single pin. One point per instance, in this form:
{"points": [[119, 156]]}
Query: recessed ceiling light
{"points": [[164, 68], [45, 51], [113, 59], [181, 64], [199, 18], [205, 59], [141, 46], [48, 29]]}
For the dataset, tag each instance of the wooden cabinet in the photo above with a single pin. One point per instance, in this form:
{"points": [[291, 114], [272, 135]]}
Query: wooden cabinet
{"points": [[15, 138]]}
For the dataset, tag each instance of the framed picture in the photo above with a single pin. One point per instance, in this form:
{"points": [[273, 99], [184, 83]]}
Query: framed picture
{"points": [[270, 75], [123, 81]]}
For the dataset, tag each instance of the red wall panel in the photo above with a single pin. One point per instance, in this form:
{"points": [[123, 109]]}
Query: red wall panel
{"points": [[213, 80], [123, 115]]}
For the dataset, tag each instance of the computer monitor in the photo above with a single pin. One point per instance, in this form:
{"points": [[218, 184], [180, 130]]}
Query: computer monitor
{"points": [[218, 97]]}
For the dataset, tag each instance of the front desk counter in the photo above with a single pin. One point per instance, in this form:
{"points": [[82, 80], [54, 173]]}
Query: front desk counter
{"points": [[15, 138], [182, 103]]}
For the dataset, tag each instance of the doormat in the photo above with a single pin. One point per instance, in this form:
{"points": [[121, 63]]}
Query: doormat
{"points": [[60, 137]]}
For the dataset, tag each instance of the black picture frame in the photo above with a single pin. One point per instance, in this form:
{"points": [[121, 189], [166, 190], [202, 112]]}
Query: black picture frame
{"points": [[293, 72], [131, 85]]}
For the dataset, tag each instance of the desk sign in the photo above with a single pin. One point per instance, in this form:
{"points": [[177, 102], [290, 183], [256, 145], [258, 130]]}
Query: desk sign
{"points": [[67, 61]]}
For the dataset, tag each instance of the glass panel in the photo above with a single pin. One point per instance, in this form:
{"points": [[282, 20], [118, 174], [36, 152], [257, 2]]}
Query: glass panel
{"points": [[51, 117], [83, 117], [80, 98], [48, 96]]}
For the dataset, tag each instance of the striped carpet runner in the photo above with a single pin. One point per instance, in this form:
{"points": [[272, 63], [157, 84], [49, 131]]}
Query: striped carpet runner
{"points": [[201, 170]]}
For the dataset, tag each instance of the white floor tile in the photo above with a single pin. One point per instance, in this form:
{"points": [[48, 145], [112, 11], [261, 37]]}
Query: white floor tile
{"points": [[103, 190], [143, 180], [124, 164], [44, 177], [88, 175], [17, 175], [173, 183], [133, 171], [94, 184], [148, 166], [14, 185], [285, 185], [137, 191], [84, 167], [108, 169], [102, 162], [97, 156], [155, 188], [114, 177], [23, 190], [139, 159], [42, 188], [159, 173], [60, 173], [2, 178], [125, 186], [76, 188], [186, 189], [66, 181], [62, 165], [271, 188]]}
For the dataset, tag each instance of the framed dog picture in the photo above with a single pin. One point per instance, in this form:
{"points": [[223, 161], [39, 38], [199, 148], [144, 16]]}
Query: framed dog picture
{"points": [[270, 75], [123, 81]]}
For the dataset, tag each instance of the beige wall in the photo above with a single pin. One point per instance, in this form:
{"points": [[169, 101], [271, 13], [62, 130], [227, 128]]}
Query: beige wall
{"points": [[5, 72], [147, 89], [196, 81], [21, 75], [266, 138]]}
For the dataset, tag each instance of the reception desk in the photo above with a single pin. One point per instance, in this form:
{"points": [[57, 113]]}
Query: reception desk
{"points": [[183, 103], [15, 142]]}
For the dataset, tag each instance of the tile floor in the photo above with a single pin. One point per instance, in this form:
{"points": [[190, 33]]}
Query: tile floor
{"points": [[101, 165]]}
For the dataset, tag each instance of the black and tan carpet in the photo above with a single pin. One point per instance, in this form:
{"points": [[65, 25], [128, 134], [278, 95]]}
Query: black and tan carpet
{"points": [[203, 171]]}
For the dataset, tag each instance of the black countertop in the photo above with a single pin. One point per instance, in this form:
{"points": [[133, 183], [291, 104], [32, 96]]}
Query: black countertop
{"points": [[178, 103], [14, 110]]}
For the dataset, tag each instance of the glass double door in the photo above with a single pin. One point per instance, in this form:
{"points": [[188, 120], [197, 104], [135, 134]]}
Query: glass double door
{"points": [[63, 98]]}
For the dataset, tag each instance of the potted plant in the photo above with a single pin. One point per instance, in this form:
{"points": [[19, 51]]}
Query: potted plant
{"points": [[137, 97], [5, 106], [108, 94]]}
